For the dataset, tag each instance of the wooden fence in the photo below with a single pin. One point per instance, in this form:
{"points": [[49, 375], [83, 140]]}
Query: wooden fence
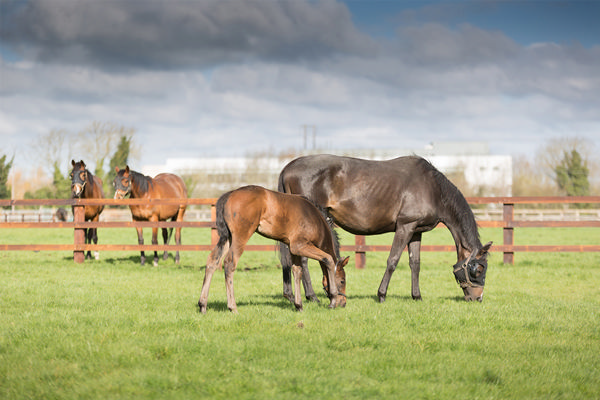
{"points": [[360, 248]]}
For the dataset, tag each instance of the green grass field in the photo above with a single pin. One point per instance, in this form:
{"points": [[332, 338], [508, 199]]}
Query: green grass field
{"points": [[112, 329]]}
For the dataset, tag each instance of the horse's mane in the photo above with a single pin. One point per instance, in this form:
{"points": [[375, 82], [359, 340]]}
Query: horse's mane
{"points": [[143, 182], [456, 205]]}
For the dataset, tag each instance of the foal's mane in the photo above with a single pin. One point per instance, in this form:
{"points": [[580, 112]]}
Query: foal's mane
{"points": [[456, 205]]}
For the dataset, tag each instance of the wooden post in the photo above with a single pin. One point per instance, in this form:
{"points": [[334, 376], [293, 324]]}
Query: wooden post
{"points": [[360, 255], [508, 233], [79, 217]]}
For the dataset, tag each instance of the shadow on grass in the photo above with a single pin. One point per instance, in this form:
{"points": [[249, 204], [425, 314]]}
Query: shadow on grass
{"points": [[274, 301]]}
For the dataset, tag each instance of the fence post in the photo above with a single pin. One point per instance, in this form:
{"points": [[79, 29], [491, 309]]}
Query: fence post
{"points": [[508, 211], [79, 217], [360, 256]]}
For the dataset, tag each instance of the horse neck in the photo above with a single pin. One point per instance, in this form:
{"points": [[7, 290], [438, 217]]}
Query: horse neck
{"points": [[88, 191], [462, 225], [139, 185]]}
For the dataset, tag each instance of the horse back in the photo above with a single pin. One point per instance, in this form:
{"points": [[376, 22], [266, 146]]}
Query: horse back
{"points": [[95, 191], [162, 186], [366, 196]]}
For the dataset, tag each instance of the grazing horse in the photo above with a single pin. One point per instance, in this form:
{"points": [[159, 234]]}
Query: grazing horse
{"points": [[406, 195], [162, 186], [290, 219], [84, 185]]}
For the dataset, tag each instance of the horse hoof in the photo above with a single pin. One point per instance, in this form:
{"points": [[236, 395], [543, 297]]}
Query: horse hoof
{"points": [[381, 298], [155, 263], [202, 307], [289, 296], [418, 298], [313, 298]]}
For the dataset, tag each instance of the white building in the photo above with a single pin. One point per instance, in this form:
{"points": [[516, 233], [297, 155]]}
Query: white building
{"points": [[469, 165]]}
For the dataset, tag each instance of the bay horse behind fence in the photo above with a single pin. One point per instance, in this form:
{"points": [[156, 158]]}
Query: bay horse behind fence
{"points": [[162, 186], [84, 185], [290, 219], [406, 195]]}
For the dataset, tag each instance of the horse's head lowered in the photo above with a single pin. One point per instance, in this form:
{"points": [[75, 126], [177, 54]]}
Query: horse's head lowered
{"points": [[470, 273], [79, 178], [340, 281], [122, 182]]}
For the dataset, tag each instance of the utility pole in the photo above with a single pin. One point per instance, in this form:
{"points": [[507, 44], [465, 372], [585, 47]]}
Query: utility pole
{"points": [[305, 129]]}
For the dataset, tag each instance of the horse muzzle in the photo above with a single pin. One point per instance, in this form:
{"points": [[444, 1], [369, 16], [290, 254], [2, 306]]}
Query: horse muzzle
{"points": [[473, 294], [76, 190]]}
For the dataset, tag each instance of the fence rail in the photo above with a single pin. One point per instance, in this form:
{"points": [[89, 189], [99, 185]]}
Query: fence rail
{"points": [[360, 248]]}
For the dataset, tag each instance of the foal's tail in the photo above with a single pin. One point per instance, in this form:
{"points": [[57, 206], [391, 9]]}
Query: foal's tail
{"points": [[222, 228]]}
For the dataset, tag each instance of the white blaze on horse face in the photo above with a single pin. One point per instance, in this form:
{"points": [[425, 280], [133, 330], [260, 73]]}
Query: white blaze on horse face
{"points": [[77, 189]]}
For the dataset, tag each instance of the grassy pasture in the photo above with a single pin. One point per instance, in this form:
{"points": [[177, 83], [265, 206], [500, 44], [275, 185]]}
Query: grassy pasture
{"points": [[115, 329]]}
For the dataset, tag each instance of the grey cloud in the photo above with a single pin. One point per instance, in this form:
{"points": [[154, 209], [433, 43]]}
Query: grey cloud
{"points": [[180, 33]]}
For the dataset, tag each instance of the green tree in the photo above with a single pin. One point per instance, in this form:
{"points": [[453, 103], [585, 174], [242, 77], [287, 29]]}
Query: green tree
{"points": [[61, 183], [572, 175], [5, 167], [119, 159]]}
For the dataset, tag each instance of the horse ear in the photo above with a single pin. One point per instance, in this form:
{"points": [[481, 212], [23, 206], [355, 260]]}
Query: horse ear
{"points": [[82, 163], [343, 263], [73, 163], [484, 250], [127, 169]]}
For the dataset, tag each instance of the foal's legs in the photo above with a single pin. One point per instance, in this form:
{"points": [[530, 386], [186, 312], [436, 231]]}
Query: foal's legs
{"points": [[214, 260], [309, 250], [297, 269]]}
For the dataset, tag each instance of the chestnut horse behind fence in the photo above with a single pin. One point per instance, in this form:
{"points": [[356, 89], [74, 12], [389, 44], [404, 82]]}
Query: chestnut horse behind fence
{"points": [[291, 219], [84, 185], [162, 186]]}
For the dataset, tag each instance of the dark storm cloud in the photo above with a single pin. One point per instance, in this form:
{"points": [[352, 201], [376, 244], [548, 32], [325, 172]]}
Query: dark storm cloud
{"points": [[180, 33]]}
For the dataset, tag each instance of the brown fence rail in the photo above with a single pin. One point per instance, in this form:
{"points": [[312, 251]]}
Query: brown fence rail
{"points": [[360, 248]]}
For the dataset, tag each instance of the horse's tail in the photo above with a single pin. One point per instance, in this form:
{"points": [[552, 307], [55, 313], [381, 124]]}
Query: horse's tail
{"points": [[222, 228]]}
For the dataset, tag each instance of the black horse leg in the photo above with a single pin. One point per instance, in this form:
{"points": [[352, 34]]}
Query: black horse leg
{"points": [[309, 292], [155, 241], [95, 240], [165, 235], [401, 237], [141, 241], [414, 260], [88, 240]]}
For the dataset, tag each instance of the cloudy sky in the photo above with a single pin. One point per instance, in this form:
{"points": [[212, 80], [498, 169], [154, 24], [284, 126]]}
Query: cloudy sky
{"points": [[229, 77]]}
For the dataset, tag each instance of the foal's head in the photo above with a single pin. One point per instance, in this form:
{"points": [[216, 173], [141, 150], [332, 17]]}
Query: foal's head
{"points": [[122, 182], [79, 178], [340, 281]]}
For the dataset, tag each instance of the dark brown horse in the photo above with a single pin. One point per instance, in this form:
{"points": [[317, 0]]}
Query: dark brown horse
{"points": [[406, 195], [84, 185], [162, 186], [290, 219]]}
